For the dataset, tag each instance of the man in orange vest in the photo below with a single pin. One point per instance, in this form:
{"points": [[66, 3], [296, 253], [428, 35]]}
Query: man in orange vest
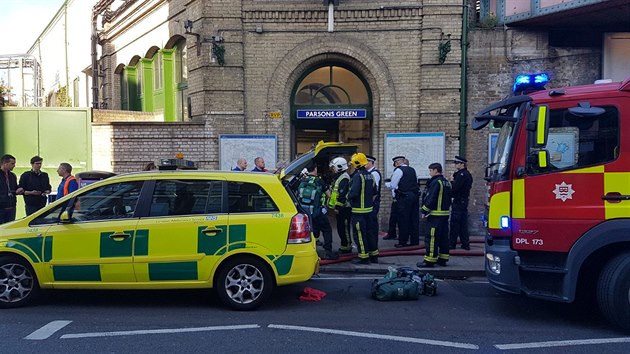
{"points": [[68, 183]]}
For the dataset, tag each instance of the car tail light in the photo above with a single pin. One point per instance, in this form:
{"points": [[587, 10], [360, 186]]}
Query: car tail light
{"points": [[300, 230]]}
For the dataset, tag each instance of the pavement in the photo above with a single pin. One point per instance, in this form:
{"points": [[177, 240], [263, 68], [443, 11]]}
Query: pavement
{"points": [[461, 264]]}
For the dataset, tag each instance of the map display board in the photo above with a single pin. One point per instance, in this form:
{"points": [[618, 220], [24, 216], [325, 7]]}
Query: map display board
{"points": [[421, 149], [233, 147]]}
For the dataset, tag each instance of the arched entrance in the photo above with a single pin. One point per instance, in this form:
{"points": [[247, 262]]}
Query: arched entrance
{"points": [[330, 102]]}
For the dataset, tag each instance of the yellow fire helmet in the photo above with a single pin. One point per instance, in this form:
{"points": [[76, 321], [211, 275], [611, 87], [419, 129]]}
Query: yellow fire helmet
{"points": [[359, 160]]}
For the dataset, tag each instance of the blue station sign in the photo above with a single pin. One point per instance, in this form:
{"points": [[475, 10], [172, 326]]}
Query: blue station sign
{"points": [[331, 113]]}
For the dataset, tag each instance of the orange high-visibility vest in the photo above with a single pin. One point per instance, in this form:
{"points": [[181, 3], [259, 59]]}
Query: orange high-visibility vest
{"points": [[67, 183]]}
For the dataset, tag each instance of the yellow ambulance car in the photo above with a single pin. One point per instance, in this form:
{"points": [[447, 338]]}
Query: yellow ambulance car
{"points": [[240, 233]]}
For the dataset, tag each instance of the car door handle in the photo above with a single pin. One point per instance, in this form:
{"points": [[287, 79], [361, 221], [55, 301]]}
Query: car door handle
{"points": [[615, 197], [212, 232], [119, 236]]}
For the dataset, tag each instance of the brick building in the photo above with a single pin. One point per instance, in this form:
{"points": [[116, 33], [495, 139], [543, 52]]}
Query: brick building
{"points": [[212, 67]]}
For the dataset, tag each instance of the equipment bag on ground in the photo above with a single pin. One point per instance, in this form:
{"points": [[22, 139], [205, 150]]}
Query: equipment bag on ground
{"points": [[403, 284]]}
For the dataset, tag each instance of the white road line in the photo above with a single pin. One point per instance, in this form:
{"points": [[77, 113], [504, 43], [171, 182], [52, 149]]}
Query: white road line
{"points": [[156, 331], [562, 343], [47, 330], [378, 336]]}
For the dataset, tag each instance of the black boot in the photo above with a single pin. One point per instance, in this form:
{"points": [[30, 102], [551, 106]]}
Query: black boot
{"points": [[373, 259]]}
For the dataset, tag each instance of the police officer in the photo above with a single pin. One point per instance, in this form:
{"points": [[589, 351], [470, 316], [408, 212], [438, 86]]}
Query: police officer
{"points": [[361, 197], [435, 207], [373, 227], [462, 182], [339, 202], [404, 184]]}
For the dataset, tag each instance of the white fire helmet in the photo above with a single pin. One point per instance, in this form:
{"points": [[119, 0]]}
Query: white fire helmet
{"points": [[339, 164]]}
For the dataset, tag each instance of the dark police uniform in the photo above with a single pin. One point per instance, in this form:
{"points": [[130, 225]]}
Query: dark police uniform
{"points": [[436, 206], [407, 207], [361, 197], [373, 227], [462, 183]]}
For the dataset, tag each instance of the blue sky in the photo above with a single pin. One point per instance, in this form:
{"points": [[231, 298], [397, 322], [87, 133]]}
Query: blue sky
{"points": [[22, 21]]}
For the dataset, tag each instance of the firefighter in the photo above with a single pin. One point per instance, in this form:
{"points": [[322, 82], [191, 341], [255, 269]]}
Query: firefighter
{"points": [[435, 207], [312, 192], [404, 184], [376, 174], [339, 202], [361, 198], [462, 182]]}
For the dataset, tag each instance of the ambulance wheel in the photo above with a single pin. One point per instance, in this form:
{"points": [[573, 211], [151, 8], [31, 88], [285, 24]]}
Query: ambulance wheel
{"points": [[18, 282], [613, 291], [244, 283]]}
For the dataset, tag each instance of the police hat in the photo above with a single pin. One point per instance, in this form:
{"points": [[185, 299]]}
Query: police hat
{"points": [[370, 158], [459, 159], [397, 158]]}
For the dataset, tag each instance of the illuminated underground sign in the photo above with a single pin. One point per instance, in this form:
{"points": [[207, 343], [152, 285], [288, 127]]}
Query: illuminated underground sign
{"points": [[331, 114]]}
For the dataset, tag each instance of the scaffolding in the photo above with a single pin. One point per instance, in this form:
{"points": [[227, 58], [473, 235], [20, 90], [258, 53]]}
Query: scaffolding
{"points": [[20, 77]]}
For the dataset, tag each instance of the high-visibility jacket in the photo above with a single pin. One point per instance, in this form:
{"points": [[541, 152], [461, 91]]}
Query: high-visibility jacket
{"points": [[339, 194], [437, 201], [362, 191]]}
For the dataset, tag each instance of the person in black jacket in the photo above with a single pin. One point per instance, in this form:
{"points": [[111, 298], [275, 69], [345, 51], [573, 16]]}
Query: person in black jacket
{"points": [[462, 182], [36, 185], [361, 198], [435, 207], [404, 183], [8, 189]]}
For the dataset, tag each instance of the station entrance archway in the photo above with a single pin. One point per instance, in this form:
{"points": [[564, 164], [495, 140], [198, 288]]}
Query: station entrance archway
{"points": [[331, 102]]}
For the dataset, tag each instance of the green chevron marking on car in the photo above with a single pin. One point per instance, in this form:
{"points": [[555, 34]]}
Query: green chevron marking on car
{"points": [[31, 246], [212, 245], [116, 248], [77, 273]]}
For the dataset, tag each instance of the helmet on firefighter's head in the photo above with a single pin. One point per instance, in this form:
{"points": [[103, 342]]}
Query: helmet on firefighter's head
{"points": [[339, 164], [359, 160]]}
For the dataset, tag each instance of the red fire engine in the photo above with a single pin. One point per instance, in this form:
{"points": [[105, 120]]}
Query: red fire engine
{"points": [[559, 196]]}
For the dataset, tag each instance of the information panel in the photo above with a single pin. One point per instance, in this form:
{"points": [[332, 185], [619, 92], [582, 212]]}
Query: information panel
{"points": [[233, 147], [421, 149]]}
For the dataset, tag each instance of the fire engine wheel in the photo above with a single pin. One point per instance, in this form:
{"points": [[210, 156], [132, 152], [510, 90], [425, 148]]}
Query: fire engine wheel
{"points": [[244, 283], [18, 282], [613, 291]]}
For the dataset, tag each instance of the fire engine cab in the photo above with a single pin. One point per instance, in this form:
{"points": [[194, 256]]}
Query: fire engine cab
{"points": [[559, 196]]}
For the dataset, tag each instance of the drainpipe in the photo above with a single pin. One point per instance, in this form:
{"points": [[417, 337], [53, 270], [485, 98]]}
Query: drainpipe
{"points": [[95, 13], [463, 96], [65, 46]]}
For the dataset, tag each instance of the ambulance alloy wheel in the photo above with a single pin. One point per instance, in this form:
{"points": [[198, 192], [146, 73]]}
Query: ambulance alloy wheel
{"points": [[613, 291], [18, 283], [244, 283]]}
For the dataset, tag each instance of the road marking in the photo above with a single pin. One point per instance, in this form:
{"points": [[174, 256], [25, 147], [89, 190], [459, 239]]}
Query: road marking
{"points": [[378, 336], [156, 331], [47, 330], [562, 343]]}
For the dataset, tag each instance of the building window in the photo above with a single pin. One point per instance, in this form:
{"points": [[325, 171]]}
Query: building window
{"points": [[331, 85], [158, 71], [124, 90], [181, 80]]}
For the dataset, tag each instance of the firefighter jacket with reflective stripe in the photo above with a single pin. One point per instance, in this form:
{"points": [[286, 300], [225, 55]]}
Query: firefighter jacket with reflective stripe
{"points": [[339, 195], [362, 191], [438, 199]]}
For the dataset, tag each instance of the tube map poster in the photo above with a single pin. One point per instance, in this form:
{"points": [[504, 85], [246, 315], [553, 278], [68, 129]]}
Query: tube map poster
{"points": [[421, 149]]}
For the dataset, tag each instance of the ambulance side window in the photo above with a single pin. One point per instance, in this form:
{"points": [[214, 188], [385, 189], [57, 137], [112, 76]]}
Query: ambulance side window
{"points": [[578, 142], [248, 198], [110, 202], [186, 197]]}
